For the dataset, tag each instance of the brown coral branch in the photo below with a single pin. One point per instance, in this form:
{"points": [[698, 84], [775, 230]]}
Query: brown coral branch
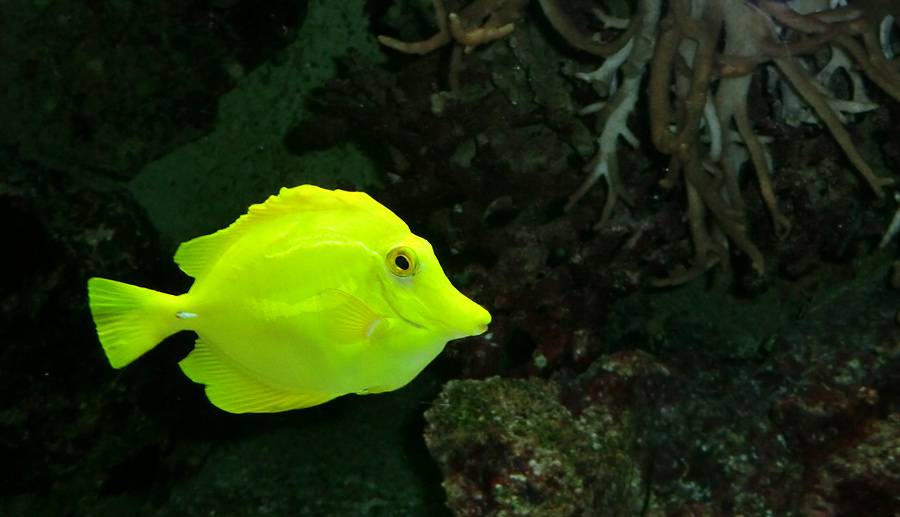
{"points": [[568, 28], [658, 86], [804, 86], [690, 27], [749, 31], [612, 119], [478, 23], [808, 24], [491, 13], [709, 250], [675, 127], [471, 38], [484, 21], [880, 70], [700, 70], [689, 109], [729, 219], [763, 173], [440, 39]]}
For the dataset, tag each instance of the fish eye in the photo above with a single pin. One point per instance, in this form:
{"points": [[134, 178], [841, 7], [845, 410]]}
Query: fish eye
{"points": [[401, 261]]}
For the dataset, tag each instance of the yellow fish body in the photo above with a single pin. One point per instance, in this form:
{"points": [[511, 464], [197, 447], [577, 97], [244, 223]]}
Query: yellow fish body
{"points": [[309, 296]]}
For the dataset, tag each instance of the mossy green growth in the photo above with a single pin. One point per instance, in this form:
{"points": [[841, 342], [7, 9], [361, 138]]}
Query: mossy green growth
{"points": [[509, 447], [205, 184]]}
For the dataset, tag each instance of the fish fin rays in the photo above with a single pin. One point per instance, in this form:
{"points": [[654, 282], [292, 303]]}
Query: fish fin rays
{"points": [[346, 319], [130, 320], [196, 256], [310, 198], [236, 392]]}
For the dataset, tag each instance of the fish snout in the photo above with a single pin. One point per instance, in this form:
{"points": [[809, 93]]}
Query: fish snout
{"points": [[463, 317], [482, 322]]}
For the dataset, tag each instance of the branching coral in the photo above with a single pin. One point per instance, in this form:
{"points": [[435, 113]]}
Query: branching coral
{"points": [[478, 23], [627, 56], [698, 63], [698, 102]]}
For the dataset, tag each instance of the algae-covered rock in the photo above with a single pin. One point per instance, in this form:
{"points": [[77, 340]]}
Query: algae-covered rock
{"points": [[509, 447]]}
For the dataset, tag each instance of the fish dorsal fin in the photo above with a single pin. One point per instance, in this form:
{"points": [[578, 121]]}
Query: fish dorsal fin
{"points": [[236, 392], [196, 256], [345, 319]]}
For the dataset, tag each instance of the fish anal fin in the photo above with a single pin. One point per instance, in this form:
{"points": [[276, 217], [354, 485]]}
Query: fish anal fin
{"points": [[345, 319], [236, 392]]}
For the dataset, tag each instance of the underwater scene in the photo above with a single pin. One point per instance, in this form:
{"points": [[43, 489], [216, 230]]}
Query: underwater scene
{"points": [[450, 258]]}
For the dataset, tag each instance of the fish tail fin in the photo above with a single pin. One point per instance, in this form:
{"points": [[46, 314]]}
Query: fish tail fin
{"points": [[130, 320]]}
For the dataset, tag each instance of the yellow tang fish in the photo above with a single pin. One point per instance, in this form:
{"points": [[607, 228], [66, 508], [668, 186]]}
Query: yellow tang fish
{"points": [[309, 296]]}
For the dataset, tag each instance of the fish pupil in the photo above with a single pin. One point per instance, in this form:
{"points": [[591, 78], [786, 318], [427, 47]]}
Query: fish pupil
{"points": [[401, 262]]}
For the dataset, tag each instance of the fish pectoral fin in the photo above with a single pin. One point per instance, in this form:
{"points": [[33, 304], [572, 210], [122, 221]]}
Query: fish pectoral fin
{"points": [[236, 392], [346, 319]]}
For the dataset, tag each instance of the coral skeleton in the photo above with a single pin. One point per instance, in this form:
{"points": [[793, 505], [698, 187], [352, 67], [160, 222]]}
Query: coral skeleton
{"points": [[697, 61], [478, 23]]}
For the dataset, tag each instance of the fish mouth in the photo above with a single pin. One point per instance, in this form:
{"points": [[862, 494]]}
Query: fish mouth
{"points": [[456, 332], [461, 332]]}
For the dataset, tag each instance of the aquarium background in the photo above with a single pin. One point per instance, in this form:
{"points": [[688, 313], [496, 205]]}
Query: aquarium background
{"points": [[629, 370]]}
